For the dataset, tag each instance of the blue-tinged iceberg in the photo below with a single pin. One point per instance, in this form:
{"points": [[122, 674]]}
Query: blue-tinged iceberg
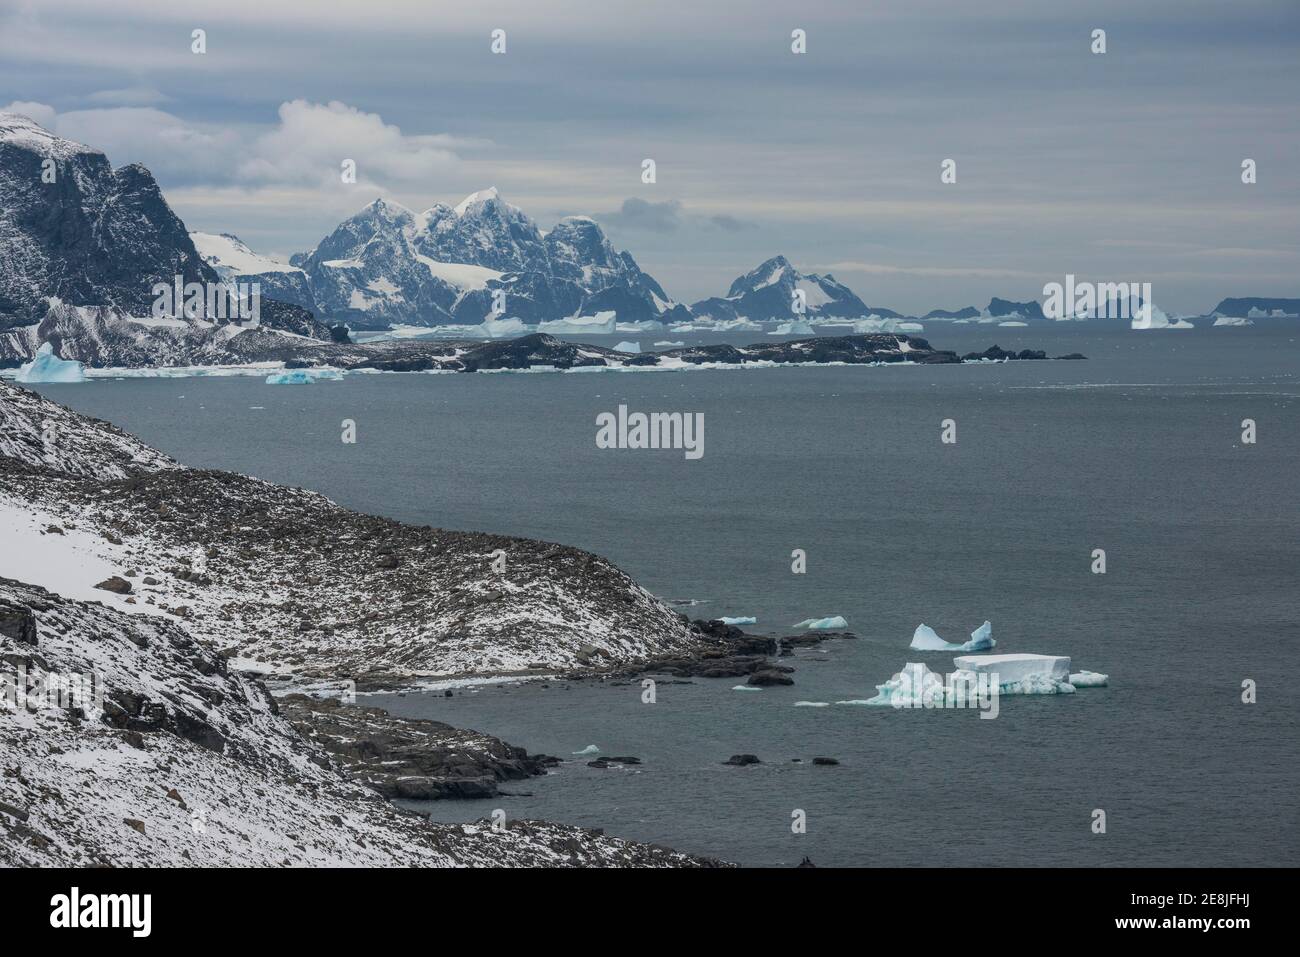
{"points": [[302, 376], [925, 639], [744, 620], [47, 367]]}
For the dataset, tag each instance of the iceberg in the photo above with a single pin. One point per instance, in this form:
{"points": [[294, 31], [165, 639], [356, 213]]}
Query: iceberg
{"points": [[1022, 673], [916, 686], [745, 688], [302, 376], [1089, 679], [739, 621], [602, 323], [634, 347], [589, 749], [669, 345], [925, 639], [1233, 321], [47, 367], [798, 327], [823, 624]]}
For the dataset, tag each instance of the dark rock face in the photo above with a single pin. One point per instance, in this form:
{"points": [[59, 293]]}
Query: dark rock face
{"points": [[1006, 307], [969, 312], [19, 623], [410, 757], [998, 354], [742, 760], [95, 236], [116, 584], [768, 677]]}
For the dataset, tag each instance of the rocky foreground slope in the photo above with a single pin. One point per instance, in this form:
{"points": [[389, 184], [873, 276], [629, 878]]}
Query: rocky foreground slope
{"points": [[135, 727], [291, 585], [124, 741]]}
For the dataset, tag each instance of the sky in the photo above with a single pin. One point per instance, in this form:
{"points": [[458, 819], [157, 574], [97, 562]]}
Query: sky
{"points": [[1117, 166]]}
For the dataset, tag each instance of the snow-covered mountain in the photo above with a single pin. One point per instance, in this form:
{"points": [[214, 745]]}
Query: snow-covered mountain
{"points": [[768, 293], [82, 247], [94, 236], [390, 265]]}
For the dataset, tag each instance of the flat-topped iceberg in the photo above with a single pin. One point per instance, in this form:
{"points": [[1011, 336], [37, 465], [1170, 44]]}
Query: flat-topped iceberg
{"points": [[743, 620], [47, 367], [1021, 673], [925, 639], [602, 323], [823, 624]]}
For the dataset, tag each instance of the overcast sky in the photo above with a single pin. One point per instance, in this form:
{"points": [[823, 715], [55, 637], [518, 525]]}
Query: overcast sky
{"points": [[1114, 167]]}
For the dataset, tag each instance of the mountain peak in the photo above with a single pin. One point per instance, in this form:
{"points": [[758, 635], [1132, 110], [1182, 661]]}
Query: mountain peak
{"points": [[23, 131], [473, 199]]}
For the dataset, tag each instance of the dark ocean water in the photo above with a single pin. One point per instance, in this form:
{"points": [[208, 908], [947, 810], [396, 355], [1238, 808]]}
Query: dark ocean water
{"points": [[1137, 451]]}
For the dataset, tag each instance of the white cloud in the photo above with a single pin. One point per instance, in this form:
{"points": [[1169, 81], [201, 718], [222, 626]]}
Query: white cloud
{"points": [[303, 149]]}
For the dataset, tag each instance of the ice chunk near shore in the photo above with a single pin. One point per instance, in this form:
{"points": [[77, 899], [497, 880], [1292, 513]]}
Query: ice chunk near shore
{"points": [[744, 620], [745, 688], [1089, 679], [823, 624], [925, 639], [47, 367], [589, 749]]}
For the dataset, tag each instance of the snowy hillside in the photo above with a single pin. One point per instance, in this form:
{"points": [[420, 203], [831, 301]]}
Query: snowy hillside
{"points": [[768, 293]]}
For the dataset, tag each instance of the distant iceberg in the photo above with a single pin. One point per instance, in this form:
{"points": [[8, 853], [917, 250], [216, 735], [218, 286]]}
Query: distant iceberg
{"points": [[302, 376], [798, 327], [1233, 321], [925, 639], [589, 749], [823, 624], [669, 345], [739, 621], [631, 347], [47, 367], [602, 324]]}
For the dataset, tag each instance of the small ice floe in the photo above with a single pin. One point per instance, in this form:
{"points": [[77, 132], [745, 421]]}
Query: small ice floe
{"points": [[745, 688], [302, 376], [1089, 679], [589, 749], [812, 704], [739, 621], [669, 345], [823, 624], [925, 639], [47, 367], [625, 346]]}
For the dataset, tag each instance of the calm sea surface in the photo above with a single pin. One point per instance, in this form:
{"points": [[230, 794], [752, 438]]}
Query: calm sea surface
{"points": [[1137, 451]]}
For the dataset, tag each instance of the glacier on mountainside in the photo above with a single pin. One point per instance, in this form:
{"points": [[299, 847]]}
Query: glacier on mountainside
{"points": [[47, 367]]}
